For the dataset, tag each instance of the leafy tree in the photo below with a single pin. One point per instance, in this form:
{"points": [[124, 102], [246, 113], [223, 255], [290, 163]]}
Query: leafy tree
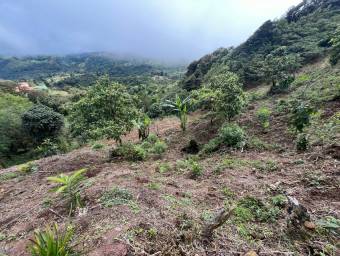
{"points": [[230, 97], [106, 111], [12, 137], [279, 67], [181, 107], [335, 53], [41, 122]]}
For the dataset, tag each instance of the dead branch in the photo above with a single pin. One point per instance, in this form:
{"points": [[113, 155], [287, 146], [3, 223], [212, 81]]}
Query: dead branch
{"points": [[221, 217]]}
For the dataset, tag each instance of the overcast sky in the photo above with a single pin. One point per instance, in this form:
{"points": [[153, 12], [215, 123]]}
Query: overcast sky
{"points": [[161, 29]]}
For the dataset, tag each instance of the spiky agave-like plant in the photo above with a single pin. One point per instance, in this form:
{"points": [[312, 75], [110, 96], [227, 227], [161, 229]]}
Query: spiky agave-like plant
{"points": [[51, 242]]}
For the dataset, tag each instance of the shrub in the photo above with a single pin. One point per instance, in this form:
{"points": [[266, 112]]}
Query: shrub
{"points": [[28, 167], [97, 146], [152, 138], [232, 135], [130, 152], [302, 142], [12, 137], [69, 187], [212, 146], [159, 148], [41, 122], [50, 147], [263, 115], [300, 115], [195, 168], [51, 242], [279, 200], [164, 167]]}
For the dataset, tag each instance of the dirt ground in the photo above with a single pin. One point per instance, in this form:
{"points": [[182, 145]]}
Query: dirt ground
{"points": [[169, 209]]}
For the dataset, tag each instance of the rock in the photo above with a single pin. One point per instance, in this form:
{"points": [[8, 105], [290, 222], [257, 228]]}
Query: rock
{"points": [[115, 249], [309, 225], [251, 253]]}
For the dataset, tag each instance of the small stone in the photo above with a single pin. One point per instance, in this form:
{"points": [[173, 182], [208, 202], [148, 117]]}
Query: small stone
{"points": [[309, 225], [251, 253]]}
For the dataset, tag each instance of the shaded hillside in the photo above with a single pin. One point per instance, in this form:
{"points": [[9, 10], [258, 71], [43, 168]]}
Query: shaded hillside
{"points": [[304, 32]]}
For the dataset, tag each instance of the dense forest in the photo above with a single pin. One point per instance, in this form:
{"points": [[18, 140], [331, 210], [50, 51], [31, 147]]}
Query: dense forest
{"points": [[237, 155]]}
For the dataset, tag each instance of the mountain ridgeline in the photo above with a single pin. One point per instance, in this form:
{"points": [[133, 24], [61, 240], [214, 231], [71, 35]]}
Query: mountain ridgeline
{"points": [[304, 33], [81, 69]]}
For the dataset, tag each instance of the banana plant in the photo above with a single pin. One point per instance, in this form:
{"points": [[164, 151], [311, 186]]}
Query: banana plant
{"points": [[69, 187], [181, 107], [143, 125]]}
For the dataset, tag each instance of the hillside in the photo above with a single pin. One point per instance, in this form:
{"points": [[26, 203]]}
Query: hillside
{"points": [[161, 209], [305, 31], [241, 157], [83, 70]]}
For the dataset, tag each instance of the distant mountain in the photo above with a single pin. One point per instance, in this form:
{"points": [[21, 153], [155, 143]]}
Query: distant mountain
{"points": [[305, 30], [79, 69]]}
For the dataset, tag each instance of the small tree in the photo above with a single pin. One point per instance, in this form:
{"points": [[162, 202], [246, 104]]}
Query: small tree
{"points": [[335, 52], [41, 122], [181, 107], [230, 98], [300, 115], [106, 111], [263, 115], [280, 68]]}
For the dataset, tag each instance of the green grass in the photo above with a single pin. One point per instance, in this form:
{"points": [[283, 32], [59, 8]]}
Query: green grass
{"points": [[9, 176]]}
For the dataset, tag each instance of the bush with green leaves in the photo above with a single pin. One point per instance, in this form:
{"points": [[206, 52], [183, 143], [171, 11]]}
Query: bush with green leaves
{"points": [[335, 52], [69, 186], [195, 168], [263, 115], [181, 108], [130, 152], [106, 111], [53, 146], [302, 142], [42, 122], [158, 148], [13, 138], [230, 98], [28, 168], [232, 135], [301, 115], [212, 146], [52, 242]]}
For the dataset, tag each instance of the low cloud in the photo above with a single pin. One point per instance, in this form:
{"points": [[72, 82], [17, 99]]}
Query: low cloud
{"points": [[161, 29]]}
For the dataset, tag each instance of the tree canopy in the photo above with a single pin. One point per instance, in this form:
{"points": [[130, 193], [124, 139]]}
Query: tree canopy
{"points": [[106, 111]]}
